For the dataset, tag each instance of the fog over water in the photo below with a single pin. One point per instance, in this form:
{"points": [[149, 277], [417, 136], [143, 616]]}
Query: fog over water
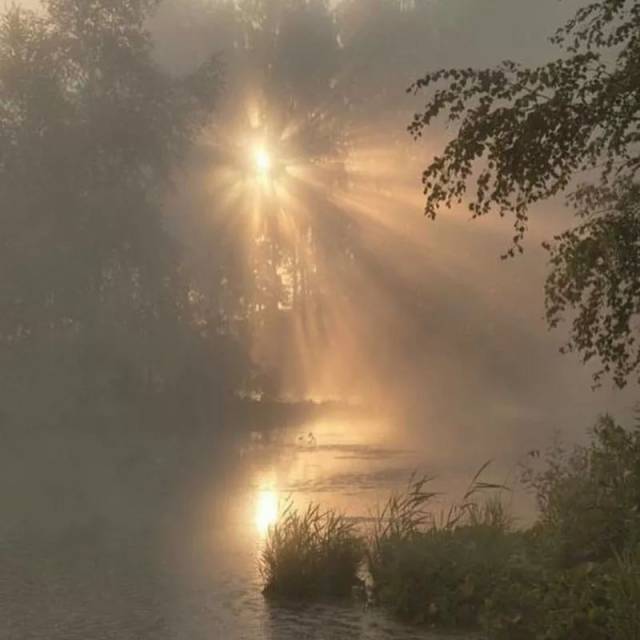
{"points": [[348, 341], [432, 326]]}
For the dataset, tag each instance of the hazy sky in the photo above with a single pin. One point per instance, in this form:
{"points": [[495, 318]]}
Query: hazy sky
{"points": [[291, 235], [438, 328], [453, 335]]}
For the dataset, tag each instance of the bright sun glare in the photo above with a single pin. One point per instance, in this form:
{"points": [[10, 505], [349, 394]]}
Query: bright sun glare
{"points": [[266, 510], [262, 161]]}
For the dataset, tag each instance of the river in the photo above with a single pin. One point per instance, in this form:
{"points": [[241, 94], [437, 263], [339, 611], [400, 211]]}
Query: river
{"points": [[193, 574]]}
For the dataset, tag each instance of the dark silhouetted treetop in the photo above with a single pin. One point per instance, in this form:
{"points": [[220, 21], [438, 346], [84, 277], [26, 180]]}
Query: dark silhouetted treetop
{"points": [[90, 131], [526, 134]]}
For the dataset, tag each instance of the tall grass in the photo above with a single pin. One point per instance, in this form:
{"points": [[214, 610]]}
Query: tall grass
{"points": [[311, 553], [574, 574], [624, 594], [433, 567]]}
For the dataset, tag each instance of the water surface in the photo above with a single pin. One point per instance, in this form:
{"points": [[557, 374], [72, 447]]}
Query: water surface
{"points": [[193, 573]]}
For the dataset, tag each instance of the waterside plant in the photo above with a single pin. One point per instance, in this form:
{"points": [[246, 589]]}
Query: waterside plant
{"points": [[311, 553], [574, 573]]}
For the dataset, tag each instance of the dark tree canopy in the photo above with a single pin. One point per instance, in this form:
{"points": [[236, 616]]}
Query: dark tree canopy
{"points": [[91, 283], [526, 134]]}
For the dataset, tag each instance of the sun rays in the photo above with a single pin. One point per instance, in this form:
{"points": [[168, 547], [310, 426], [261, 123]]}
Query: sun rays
{"points": [[303, 222]]}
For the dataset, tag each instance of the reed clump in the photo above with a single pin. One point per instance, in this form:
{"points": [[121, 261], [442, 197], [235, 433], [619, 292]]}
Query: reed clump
{"points": [[438, 567], [311, 553], [575, 573]]}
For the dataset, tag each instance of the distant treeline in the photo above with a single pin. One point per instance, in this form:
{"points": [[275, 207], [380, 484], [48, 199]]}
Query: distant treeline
{"points": [[103, 304]]}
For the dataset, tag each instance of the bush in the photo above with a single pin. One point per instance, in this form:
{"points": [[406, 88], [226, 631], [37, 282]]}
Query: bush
{"points": [[444, 577], [584, 576], [311, 553], [442, 572], [624, 594], [538, 604], [589, 497], [574, 574]]}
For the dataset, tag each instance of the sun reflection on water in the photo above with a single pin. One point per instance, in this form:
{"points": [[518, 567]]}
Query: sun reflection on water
{"points": [[266, 510]]}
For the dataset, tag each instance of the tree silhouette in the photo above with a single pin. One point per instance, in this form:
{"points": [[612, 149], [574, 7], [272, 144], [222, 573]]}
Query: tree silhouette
{"points": [[91, 281], [526, 134]]}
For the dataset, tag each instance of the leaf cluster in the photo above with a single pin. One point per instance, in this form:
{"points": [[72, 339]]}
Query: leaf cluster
{"points": [[526, 134]]}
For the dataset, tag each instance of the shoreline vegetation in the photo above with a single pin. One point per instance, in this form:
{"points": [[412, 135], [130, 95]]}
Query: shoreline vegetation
{"points": [[573, 573]]}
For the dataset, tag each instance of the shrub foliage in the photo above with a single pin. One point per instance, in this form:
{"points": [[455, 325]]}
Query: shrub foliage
{"points": [[575, 573]]}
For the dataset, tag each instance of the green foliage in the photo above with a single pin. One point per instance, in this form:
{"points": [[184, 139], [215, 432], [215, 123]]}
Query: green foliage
{"points": [[574, 574], [310, 554], [439, 570], [444, 576], [535, 603], [589, 496], [527, 134], [582, 571], [624, 594], [500, 581], [92, 284], [594, 270]]}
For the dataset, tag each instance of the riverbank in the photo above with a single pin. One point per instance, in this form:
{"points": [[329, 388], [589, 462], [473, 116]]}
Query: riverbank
{"points": [[574, 573]]}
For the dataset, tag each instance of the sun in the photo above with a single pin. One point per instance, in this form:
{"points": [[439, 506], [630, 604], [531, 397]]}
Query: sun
{"points": [[262, 161]]}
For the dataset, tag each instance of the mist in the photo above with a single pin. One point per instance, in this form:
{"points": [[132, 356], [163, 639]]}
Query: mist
{"points": [[218, 281], [430, 324]]}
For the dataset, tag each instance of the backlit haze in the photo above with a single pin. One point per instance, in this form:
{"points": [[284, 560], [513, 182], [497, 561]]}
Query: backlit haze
{"points": [[302, 201], [368, 341], [307, 183], [421, 320], [309, 180]]}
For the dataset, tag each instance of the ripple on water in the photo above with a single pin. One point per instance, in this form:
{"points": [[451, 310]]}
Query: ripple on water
{"points": [[130, 590]]}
